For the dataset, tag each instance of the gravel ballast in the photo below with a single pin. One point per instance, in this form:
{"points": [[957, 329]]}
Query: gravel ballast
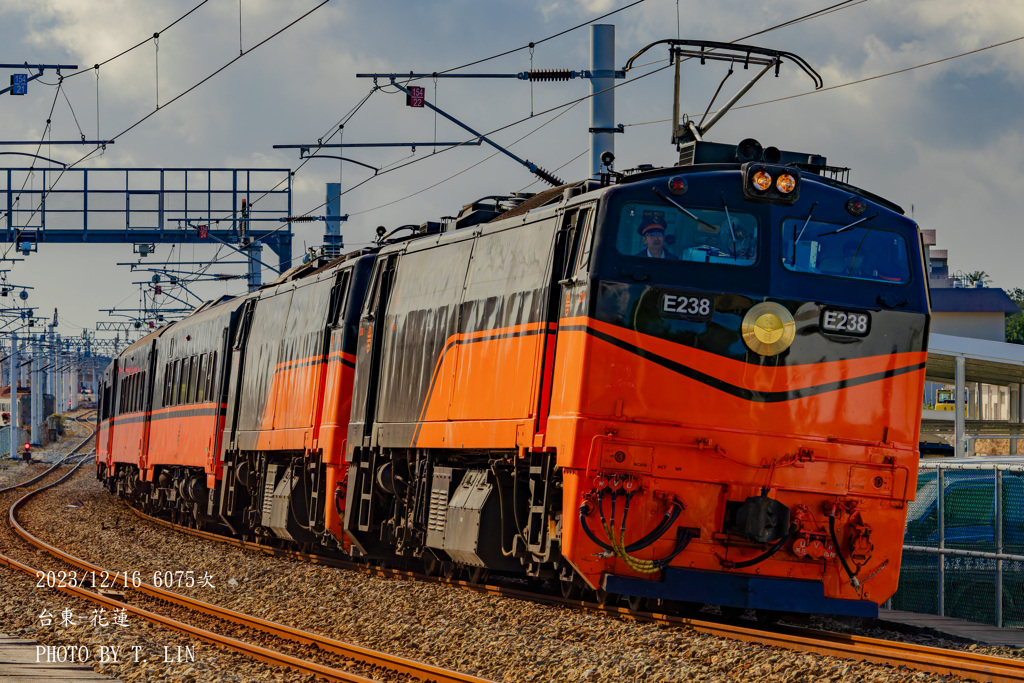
{"points": [[489, 636]]}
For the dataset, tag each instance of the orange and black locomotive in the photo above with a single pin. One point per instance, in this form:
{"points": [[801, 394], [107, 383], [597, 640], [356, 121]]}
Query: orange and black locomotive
{"points": [[694, 384]]}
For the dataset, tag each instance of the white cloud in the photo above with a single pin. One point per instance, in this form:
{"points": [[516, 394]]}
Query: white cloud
{"points": [[958, 116]]}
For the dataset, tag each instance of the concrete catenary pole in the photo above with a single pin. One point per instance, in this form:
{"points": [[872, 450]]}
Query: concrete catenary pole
{"points": [[15, 438], [59, 406], [76, 375], [36, 395], [51, 381], [602, 104]]}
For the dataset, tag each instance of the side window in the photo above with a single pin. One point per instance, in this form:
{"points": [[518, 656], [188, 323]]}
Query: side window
{"points": [[201, 381], [192, 379], [183, 381], [339, 295], [211, 377], [371, 296], [571, 225], [169, 384], [243, 324], [586, 239], [172, 382]]}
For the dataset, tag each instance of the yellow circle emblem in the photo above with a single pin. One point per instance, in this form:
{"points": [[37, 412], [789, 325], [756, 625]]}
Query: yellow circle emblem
{"points": [[768, 328]]}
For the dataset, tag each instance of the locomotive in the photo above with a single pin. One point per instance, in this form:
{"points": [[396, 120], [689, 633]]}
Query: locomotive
{"points": [[691, 384]]}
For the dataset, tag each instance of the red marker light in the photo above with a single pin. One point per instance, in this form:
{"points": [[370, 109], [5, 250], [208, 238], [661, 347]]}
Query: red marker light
{"points": [[856, 206]]}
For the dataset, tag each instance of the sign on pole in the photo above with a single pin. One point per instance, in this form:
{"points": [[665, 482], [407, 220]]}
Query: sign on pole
{"points": [[19, 84], [416, 96]]}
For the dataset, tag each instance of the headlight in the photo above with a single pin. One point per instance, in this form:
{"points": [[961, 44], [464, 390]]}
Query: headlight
{"points": [[768, 328], [770, 183], [762, 180]]}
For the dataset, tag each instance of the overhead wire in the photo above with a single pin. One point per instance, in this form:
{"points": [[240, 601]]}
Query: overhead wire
{"points": [[858, 81], [543, 40], [76, 73], [139, 44], [811, 15], [570, 104], [181, 94]]}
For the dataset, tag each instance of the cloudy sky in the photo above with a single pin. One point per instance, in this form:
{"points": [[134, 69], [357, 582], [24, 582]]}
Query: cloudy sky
{"points": [[943, 140]]}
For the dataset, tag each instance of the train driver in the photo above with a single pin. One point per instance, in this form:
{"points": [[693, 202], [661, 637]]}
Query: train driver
{"points": [[652, 235]]}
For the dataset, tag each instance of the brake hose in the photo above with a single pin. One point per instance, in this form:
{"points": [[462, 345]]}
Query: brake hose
{"points": [[728, 564], [839, 552]]}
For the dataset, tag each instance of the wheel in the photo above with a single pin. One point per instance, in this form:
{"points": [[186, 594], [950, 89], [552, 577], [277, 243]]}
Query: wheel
{"points": [[604, 598], [431, 565], [571, 587], [730, 612], [449, 570], [768, 616], [478, 574], [636, 603]]}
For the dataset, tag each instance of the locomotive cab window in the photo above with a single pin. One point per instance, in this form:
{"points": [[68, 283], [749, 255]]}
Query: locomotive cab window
{"points": [[720, 235], [862, 252]]}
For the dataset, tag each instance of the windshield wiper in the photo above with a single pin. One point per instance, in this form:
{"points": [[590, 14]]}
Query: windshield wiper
{"points": [[682, 208], [847, 227], [732, 233], [801, 233]]}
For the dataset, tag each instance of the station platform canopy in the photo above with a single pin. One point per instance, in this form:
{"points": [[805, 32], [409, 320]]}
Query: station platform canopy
{"points": [[990, 362], [959, 360]]}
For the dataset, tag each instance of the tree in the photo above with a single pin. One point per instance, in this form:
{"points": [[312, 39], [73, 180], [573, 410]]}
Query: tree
{"points": [[1015, 322], [977, 276]]}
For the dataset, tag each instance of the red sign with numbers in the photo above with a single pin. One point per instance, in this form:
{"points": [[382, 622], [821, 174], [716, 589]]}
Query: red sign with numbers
{"points": [[416, 96], [204, 232]]}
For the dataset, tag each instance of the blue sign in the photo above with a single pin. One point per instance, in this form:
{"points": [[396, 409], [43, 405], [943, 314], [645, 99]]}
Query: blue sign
{"points": [[19, 84]]}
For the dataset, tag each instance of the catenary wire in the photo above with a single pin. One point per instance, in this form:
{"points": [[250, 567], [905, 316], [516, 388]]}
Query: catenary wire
{"points": [[137, 45], [568, 105], [543, 40], [858, 81], [811, 15], [571, 104], [169, 102]]}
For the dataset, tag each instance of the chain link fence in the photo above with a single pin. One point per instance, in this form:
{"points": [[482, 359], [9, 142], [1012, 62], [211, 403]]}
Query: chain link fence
{"points": [[963, 553]]}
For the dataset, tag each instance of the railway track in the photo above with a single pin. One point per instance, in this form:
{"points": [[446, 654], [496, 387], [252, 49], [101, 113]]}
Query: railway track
{"points": [[170, 610], [963, 663]]}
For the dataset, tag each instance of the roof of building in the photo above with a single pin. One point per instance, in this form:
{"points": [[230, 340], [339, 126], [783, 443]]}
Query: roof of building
{"points": [[986, 361], [971, 300]]}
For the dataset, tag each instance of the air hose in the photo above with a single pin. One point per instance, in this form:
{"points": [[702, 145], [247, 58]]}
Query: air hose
{"points": [[839, 551], [729, 564], [622, 552]]}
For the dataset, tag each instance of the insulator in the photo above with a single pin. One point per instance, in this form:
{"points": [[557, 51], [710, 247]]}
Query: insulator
{"points": [[548, 177], [549, 74], [302, 219]]}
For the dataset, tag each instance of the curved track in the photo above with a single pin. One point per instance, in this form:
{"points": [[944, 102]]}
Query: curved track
{"points": [[961, 663], [396, 665], [72, 454]]}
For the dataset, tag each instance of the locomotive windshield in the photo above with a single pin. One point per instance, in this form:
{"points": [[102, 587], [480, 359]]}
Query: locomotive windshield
{"points": [[660, 230], [859, 252]]}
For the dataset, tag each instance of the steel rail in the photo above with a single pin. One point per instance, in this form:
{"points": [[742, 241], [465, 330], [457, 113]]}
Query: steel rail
{"points": [[419, 670], [72, 454], [962, 663], [256, 652]]}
